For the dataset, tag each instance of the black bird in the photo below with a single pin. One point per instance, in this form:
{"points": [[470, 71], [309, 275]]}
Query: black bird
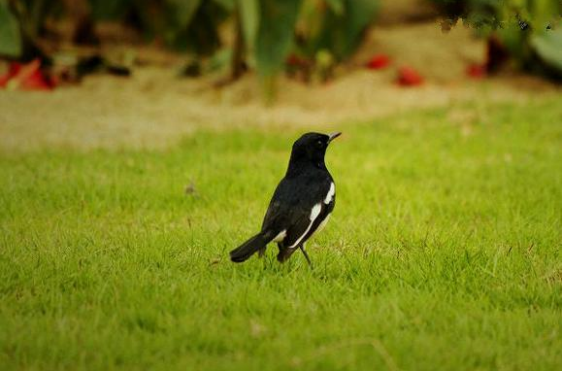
{"points": [[301, 204]]}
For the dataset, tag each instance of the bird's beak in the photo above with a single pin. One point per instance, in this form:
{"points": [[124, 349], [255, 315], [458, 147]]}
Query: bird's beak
{"points": [[333, 136]]}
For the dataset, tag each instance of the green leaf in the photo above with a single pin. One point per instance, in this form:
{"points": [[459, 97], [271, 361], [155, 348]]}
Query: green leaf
{"points": [[358, 15], [219, 61], [110, 10], [182, 11], [339, 33], [10, 33], [336, 6], [250, 17], [548, 46], [227, 5], [201, 36], [275, 35]]}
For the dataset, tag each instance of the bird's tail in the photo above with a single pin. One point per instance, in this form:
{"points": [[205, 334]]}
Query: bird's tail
{"points": [[250, 247]]}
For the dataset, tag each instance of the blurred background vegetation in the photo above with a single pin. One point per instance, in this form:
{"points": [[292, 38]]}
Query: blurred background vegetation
{"points": [[302, 38]]}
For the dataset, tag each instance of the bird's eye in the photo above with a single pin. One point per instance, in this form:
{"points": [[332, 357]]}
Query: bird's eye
{"points": [[319, 143]]}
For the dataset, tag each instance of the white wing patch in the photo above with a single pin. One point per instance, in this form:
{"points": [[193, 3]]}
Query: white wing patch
{"points": [[280, 236], [313, 216], [330, 196], [315, 212]]}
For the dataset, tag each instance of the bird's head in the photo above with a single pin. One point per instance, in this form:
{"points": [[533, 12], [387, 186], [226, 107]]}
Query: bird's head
{"points": [[312, 147]]}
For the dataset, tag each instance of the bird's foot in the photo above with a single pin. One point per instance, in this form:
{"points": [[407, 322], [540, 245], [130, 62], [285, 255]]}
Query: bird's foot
{"points": [[306, 256]]}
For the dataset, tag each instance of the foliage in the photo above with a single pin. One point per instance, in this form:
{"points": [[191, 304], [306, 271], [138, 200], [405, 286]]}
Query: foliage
{"points": [[548, 45], [10, 35], [334, 25], [528, 29], [275, 34], [186, 25], [266, 32], [329, 32], [106, 263], [314, 34]]}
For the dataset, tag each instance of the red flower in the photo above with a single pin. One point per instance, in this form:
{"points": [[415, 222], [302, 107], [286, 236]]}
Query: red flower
{"points": [[476, 71], [26, 77], [294, 60], [12, 71], [378, 62], [4, 80], [407, 76]]}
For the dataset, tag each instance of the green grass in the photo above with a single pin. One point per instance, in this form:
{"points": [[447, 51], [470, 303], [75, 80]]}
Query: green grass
{"points": [[444, 251]]}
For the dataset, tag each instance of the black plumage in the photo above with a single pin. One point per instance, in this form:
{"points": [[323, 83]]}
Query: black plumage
{"points": [[301, 204]]}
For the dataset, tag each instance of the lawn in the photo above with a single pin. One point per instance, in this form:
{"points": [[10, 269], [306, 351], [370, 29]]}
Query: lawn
{"points": [[443, 252]]}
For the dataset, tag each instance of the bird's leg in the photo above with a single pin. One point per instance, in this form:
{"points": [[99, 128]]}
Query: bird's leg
{"points": [[306, 256]]}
